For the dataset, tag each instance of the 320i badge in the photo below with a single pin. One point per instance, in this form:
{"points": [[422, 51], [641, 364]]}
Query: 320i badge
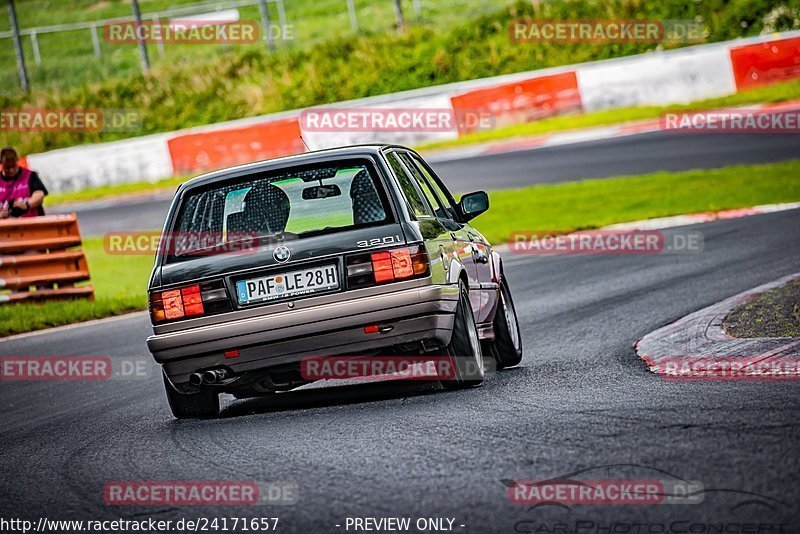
{"points": [[359, 251]]}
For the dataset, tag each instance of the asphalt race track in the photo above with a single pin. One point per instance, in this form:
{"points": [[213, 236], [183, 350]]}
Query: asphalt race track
{"points": [[634, 154], [581, 400]]}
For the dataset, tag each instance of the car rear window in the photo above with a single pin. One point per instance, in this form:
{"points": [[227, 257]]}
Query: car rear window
{"points": [[294, 202]]}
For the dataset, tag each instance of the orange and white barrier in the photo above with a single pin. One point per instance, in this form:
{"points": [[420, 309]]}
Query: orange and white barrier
{"points": [[759, 64], [38, 252], [524, 101], [658, 79], [219, 148], [384, 114]]}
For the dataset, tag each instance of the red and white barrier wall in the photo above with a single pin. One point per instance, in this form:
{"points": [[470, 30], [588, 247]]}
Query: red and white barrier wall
{"points": [[657, 78], [764, 63], [218, 148], [524, 101], [318, 140], [131, 160]]}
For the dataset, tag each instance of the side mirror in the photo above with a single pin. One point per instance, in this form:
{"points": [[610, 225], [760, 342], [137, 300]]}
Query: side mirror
{"points": [[473, 204]]}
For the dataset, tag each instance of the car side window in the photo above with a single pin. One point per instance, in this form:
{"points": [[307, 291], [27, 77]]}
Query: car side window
{"points": [[412, 195], [441, 210], [437, 188]]}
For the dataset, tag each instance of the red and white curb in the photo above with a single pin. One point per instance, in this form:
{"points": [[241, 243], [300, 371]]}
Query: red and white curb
{"points": [[661, 223], [700, 337], [599, 133], [704, 217], [568, 137]]}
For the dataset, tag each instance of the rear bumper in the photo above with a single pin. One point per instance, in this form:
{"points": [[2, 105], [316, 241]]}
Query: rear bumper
{"points": [[408, 315]]}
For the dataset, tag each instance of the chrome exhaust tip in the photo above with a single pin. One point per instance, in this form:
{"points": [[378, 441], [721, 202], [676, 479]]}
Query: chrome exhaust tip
{"points": [[212, 376], [209, 377], [196, 379]]}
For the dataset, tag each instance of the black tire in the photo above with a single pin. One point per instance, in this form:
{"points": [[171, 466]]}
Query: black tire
{"points": [[202, 404], [464, 351], [506, 348]]}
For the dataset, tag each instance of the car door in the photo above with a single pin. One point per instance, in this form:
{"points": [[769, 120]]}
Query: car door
{"points": [[446, 213], [478, 245]]}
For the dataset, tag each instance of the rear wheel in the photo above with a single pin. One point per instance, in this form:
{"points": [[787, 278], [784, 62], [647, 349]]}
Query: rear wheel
{"points": [[506, 348], [204, 403], [464, 350]]}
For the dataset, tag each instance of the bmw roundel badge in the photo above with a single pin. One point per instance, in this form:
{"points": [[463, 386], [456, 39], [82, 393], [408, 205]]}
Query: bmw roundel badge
{"points": [[282, 253]]}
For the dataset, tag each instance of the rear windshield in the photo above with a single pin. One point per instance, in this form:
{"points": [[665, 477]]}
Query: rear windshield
{"points": [[288, 204]]}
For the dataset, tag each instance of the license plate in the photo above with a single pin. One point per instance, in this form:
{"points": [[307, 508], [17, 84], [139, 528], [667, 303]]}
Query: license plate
{"points": [[290, 284]]}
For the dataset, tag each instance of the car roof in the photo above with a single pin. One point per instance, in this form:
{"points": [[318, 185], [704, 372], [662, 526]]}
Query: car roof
{"points": [[314, 156]]}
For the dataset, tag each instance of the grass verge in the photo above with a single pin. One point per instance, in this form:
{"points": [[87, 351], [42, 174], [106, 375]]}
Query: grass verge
{"points": [[108, 191], [120, 282], [120, 286], [775, 313], [597, 203]]}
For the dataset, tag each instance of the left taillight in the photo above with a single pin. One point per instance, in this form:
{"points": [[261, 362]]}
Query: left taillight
{"points": [[190, 301]]}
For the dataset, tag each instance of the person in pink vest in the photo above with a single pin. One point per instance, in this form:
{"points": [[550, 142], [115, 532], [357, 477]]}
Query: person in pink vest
{"points": [[21, 190]]}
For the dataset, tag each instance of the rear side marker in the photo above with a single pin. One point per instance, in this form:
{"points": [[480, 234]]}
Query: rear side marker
{"points": [[375, 329]]}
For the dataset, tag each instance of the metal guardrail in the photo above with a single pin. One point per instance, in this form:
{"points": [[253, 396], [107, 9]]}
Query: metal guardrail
{"points": [[190, 9], [155, 16]]}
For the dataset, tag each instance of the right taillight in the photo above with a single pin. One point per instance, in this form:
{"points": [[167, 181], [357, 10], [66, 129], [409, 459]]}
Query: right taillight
{"points": [[394, 265]]}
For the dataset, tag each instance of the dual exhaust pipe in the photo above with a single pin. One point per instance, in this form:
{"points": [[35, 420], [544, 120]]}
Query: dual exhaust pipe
{"points": [[210, 376]]}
